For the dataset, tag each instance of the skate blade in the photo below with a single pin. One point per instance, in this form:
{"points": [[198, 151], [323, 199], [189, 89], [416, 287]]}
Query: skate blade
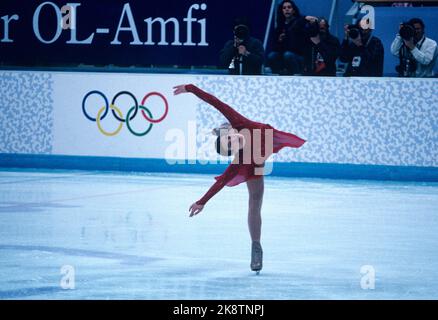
{"points": [[256, 270]]}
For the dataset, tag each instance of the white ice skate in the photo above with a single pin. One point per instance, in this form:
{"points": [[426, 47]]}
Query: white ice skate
{"points": [[256, 257]]}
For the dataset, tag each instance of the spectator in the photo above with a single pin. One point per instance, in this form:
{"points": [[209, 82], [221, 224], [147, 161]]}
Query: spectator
{"points": [[362, 51], [323, 49], [244, 54], [288, 40], [417, 53]]}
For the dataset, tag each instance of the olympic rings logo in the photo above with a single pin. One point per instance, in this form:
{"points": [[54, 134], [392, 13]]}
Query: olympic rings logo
{"points": [[130, 115]]}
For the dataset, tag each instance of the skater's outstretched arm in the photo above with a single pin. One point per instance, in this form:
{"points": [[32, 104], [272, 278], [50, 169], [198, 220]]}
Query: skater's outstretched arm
{"points": [[227, 176], [234, 117]]}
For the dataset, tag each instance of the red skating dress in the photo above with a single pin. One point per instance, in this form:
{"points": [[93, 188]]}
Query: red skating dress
{"points": [[239, 170]]}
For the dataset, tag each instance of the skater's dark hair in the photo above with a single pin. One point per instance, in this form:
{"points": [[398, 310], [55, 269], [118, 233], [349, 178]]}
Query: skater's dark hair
{"points": [[220, 148]]}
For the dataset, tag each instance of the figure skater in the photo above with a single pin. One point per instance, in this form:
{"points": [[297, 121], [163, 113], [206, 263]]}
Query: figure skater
{"points": [[251, 143]]}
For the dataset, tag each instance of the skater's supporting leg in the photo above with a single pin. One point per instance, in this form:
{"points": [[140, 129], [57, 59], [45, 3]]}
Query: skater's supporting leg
{"points": [[255, 189]]}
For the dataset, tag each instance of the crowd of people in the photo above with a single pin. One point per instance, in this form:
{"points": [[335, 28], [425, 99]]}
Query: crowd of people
{"points": [[303, 45]]}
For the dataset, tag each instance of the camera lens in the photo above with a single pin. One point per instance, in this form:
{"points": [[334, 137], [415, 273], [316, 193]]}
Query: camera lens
{"points": [[241, 32], [407, 31], [353, 33], [312, 29]]}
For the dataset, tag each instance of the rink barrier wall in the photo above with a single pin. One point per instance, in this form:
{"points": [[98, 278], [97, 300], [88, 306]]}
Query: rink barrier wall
{"points": [[358, 128], [294, 169]]}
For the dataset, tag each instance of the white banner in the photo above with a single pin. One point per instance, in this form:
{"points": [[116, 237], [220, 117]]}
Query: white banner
{"points": [[79, 98]]}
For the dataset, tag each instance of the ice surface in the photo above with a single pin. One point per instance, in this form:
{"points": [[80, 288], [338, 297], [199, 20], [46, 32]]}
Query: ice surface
{"points": [[128, 236]]}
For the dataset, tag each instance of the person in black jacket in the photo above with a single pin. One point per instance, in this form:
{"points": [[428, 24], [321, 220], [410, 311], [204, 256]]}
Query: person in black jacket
{"points": [[244, 54], [322, 51], [288, 40], [362, 51]]}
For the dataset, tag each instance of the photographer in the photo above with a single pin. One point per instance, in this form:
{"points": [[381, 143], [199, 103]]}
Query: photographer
{"points": [[321, 54], [417, 53], [362, 51], [244, 54]]}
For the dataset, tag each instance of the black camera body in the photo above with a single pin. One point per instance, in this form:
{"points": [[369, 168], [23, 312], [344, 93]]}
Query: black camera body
{"points": [[311, 28], [241, 32], [353, 31], [407, 31]]}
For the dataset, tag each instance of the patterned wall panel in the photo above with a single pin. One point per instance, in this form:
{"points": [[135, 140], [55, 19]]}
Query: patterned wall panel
{"points": [[26, 112], [345, 120]]}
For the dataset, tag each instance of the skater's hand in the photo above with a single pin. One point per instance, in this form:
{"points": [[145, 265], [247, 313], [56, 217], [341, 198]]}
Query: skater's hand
{"points": [[179, 89], [195, 209]]}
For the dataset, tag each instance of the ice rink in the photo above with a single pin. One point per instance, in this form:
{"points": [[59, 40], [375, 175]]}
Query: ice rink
{"points": [[128, 236]]}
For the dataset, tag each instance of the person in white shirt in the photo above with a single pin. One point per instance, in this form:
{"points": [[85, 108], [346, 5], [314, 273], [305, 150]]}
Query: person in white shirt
{"points": [[417, 53]]}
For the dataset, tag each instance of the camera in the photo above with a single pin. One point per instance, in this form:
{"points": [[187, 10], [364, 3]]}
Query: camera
{"points": [[311, 28], [353, 31], [407, 31], [241, 32]]}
